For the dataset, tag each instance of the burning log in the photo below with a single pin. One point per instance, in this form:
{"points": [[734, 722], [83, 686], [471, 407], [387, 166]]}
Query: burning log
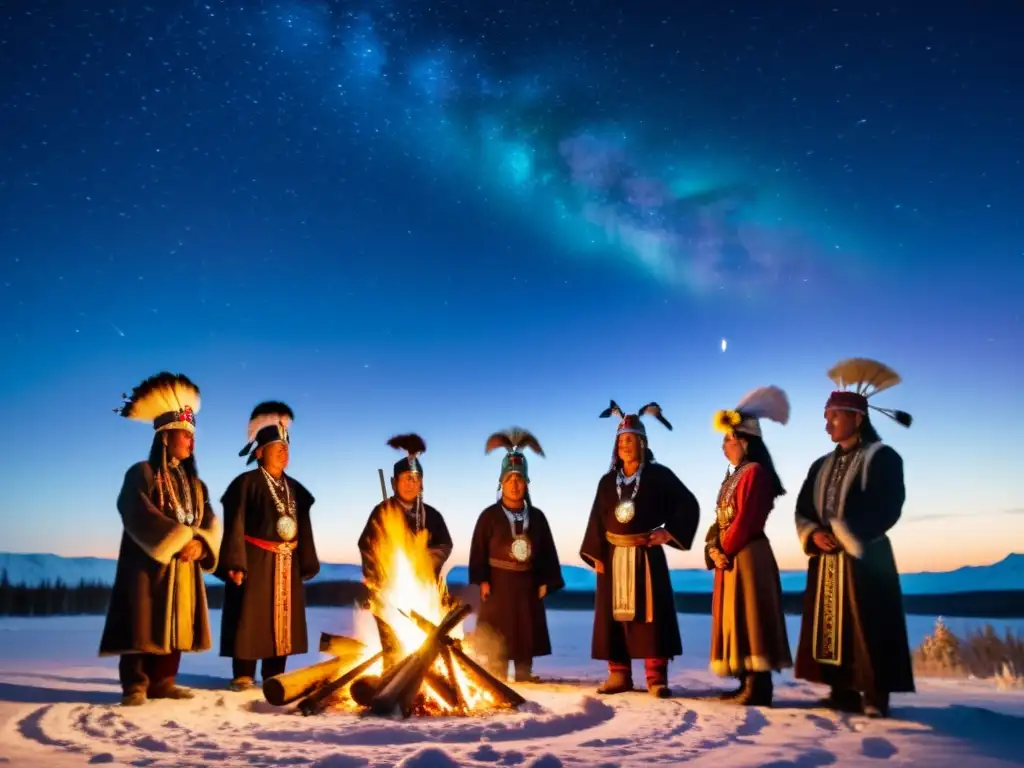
{"points": [[401, 690], [341, 646], [291, 686], [316, 702], [481, 676]]}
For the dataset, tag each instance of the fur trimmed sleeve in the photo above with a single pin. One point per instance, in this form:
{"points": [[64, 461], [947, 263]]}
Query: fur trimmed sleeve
{"points": [[210, 532], [156, 534]]}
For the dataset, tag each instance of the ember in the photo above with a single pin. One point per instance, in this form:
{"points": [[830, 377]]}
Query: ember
{"points": [[429, 673]]}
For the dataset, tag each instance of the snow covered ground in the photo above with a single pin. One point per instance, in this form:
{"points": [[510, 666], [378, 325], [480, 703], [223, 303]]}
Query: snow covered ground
{"points": [[58, 707]]}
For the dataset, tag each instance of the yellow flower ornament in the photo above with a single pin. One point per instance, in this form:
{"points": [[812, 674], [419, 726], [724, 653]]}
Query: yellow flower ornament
{"points": [[727, 421]]}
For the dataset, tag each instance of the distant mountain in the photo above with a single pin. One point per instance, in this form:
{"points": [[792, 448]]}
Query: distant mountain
{"points": [[1007, 574]]}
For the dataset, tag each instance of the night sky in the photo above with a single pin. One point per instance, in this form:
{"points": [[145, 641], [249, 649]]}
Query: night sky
{"points": [[454, 217]]}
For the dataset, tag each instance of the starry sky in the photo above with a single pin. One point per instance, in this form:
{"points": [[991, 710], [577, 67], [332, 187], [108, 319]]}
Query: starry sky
{"points": [[454, 217]]}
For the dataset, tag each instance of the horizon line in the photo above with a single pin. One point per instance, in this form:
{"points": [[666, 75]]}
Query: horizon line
{"points": [[466, 565]]}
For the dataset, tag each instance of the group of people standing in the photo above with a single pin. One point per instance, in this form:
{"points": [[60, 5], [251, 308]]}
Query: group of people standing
{"points": [[853, 636]]}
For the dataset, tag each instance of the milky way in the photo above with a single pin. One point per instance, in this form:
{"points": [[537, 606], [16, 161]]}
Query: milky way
{"points": [[533, 130]]}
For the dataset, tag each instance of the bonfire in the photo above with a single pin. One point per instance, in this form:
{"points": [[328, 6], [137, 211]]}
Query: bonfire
{"points": [[429, 673]]}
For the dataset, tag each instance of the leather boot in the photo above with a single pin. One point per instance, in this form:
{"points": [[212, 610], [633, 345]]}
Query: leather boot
{"points": [[619, 681], [876, 705], [243, 683], [843, 700], [727, 695], [757, 690], [524, 672], [133, 699]]}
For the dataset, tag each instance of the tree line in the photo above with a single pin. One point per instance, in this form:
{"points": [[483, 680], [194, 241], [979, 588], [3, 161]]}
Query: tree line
{"points": [[57, 598]]}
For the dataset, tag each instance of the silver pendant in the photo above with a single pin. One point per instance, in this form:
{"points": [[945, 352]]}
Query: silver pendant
{"points": [[521, 549], [179, 512], [190, 518], [287, 528], [625, 512]]}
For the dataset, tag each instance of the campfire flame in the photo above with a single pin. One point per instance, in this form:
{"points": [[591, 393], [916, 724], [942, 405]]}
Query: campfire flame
{"points": [[406, 584]]}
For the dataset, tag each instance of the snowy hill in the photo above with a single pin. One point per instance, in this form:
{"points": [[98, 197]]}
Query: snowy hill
{"points": [[1007, 574]]}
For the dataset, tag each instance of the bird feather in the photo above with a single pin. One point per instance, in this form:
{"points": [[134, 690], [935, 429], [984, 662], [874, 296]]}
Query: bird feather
{"points": [[513, 439], [865, 376], [611, 410], [268, 414], [160, 394], [411, 443], [653, 409], [766, 403]]}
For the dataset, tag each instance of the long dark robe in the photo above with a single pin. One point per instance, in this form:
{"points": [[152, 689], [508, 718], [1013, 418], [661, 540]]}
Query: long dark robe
{"points": [[514, 612], [247, 619], [439, 541], [662, 500], [151, 579], [874, 653], [748, 628]]}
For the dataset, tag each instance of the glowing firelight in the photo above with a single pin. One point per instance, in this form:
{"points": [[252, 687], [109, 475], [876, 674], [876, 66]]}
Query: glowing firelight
{"points": [[406, 583]]}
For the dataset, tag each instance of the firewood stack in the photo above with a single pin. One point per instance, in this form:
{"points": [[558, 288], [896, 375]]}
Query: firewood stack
{"points": [[403, 688]]}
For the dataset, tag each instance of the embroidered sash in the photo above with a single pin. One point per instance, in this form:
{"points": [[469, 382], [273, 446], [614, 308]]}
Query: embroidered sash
{"points": [[282, 551], [828, 609], [626, 549]]}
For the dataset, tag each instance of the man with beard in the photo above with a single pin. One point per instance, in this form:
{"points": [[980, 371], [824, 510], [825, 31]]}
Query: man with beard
{"points": [[514, 560], [640, 506], [268, 553], [158, 605], [854, 632], [402, 522]]}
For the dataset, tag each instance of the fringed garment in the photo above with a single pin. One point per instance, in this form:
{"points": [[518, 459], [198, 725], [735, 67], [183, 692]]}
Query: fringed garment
{"points": [[634, 609], [854, 632], [748, 628], [265, 617], [158, 603]]}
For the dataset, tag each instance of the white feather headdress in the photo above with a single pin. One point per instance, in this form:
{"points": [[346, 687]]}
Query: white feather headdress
{"points": [[768, 402], [167, 400]]}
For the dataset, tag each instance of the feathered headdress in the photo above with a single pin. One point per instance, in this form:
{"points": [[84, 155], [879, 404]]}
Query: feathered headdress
{"points": [[268, 424], [413, 445], [513, 441], [630, 423], [857, 380], [167, 400], [763, 403]]}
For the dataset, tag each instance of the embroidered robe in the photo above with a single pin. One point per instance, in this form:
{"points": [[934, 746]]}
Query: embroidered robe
{"points": [[265, 617], [854, 633], [748, 628], [661, 501]]}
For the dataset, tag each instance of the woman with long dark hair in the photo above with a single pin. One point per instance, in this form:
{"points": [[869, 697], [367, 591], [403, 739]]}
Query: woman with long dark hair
{"points": [[748, 629], [514, 561]]}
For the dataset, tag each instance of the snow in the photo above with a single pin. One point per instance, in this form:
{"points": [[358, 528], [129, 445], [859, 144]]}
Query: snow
{"points": [[1007, 574], [58, 708]]}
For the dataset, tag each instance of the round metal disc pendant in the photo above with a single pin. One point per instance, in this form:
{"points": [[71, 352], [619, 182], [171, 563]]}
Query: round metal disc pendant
{"points": [[625, 512], [521, 549], [287, 528]]}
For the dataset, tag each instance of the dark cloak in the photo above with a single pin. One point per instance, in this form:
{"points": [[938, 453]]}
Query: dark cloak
{"points": [[514, 611], [661, 501], [247, 620], [439, 541], [875, 649], [139, 614]]}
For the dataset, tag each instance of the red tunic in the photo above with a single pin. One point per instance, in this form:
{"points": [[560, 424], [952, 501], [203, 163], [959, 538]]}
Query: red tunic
{"points": [[753, 500]]}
